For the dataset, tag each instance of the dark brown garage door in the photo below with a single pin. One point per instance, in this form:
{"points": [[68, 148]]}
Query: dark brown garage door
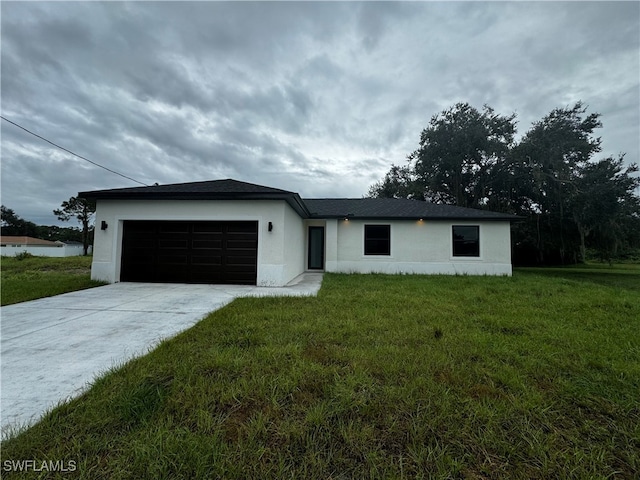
{"points": [[190, 252]]}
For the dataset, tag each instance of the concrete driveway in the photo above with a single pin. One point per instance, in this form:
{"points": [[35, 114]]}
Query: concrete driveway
{"points": [[52, 348]]}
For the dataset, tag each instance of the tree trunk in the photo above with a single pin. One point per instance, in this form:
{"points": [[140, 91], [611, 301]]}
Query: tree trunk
{"points": [[583, 249], [85, 238]]}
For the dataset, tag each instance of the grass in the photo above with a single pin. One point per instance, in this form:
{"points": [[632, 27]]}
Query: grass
{"points": [[621, 275], [36, 277], [534, 376]]}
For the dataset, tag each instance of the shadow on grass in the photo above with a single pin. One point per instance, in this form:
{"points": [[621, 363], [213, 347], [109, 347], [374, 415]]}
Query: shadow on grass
{"points": [[621, 278]]}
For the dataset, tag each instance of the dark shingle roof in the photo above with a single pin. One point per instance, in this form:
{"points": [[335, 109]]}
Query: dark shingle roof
{"points": [[195, 189], [228, 189], [395, 208], [365, 208]]}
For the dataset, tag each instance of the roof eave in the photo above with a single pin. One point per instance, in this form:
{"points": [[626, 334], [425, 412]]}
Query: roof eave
{"points": [[414, 218], [292, 199]]}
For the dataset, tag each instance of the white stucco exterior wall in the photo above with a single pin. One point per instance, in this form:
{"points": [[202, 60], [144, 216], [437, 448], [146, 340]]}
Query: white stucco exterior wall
{"points": [[293, 244], [280, 252], [331, 246], [423, 247]]}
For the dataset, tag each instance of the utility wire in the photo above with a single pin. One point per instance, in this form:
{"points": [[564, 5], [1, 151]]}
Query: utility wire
{"points": [[72, 153]]}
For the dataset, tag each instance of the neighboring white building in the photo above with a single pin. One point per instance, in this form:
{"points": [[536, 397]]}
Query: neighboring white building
{"points": [[15, 245], [226, 231]]}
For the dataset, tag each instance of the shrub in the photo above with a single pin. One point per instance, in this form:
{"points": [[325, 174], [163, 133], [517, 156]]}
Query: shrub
{"points": [[23, 255]]}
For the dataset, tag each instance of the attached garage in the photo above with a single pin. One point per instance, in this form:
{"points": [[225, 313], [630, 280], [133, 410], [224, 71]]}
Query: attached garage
{"points": [[190, 252]]}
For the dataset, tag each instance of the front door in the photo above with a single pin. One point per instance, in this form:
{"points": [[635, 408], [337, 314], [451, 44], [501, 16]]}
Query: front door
{"points": [[316, 248]]}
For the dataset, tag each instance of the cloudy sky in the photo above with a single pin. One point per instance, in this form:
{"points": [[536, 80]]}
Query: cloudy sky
{"points": [[317, 98]]}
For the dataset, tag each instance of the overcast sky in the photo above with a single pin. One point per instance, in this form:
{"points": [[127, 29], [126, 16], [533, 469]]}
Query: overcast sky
{"points": [[317, 98]]}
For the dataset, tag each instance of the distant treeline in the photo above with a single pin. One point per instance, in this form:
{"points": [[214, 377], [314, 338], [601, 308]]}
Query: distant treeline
{"points": [[12, 224], [572, 205]]}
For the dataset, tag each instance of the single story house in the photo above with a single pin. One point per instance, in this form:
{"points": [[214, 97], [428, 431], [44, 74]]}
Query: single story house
{"points": [[227, 231], [15, 245]]}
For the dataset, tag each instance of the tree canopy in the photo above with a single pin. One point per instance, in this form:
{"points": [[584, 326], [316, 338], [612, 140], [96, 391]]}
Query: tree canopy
{"points": [[12, 224], [569, 201], [83, 210]]}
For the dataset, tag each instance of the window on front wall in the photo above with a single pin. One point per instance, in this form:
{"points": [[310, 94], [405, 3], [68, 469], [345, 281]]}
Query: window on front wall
{"points": [[377, 239], [466, 241]]}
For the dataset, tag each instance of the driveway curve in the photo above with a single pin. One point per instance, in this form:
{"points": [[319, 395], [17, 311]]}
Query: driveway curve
{"points": [[53, 348]]}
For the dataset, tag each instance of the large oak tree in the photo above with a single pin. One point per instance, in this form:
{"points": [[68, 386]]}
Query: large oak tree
{"points": [[569, 202]]}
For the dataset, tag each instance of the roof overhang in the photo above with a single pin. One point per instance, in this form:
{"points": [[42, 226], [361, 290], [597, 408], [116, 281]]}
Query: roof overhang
{"points": [[380, 209], [506, 218], [292, 199]]}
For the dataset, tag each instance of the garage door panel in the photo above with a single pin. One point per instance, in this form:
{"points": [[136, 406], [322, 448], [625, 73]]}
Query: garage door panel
{"points": [[240, 235], [142, 263], [244, 261], [173, 227], [202, 269], [142, 257], [213, 273], [171, 268], [173, 244], [206, 257], [241, 258], [206, 260], [173, 259], [207, 227], [241, 245], [201, 243], [142, 228], [190, 252], [242, 227], [139, 272]]}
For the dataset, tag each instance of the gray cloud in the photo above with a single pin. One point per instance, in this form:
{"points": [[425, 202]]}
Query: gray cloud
{"points": [[319, 98]]}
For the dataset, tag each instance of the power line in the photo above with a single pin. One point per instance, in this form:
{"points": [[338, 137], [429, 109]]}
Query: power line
{"points": [[72, 153]]}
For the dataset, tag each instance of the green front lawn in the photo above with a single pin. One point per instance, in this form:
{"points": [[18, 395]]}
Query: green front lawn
{"points": [[534, 376], [36, 277]]}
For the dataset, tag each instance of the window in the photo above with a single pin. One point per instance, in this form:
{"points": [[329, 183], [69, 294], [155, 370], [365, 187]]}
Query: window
{"points": [[466, 241], [377, 239]]}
